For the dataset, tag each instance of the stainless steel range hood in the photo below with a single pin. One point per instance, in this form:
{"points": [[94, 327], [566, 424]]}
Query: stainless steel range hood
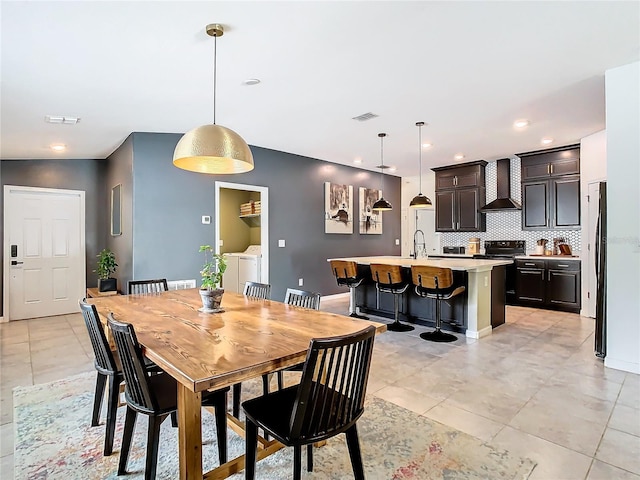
{"points": [[504, 200]]}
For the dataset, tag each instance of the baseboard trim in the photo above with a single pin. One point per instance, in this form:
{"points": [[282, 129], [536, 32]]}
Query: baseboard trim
{"points": [[335, 296], [621, 365]]}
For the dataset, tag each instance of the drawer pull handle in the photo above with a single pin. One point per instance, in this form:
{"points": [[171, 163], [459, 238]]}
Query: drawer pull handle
{"points": [[530, 264], [563, 265]]}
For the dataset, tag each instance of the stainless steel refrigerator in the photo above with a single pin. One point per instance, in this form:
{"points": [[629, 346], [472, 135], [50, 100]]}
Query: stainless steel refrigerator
{"points": [[601, 273]]}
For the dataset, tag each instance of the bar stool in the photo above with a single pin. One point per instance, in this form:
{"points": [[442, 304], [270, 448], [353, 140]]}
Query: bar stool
{"points": [[436, 283], [389, 279], [346, 274]]}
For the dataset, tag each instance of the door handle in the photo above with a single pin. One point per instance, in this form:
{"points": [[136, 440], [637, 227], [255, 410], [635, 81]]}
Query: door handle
{"points": [[14, 262]]}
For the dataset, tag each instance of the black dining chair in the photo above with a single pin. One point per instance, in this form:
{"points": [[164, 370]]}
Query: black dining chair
{"points": [[137, 287], [298, 298], [156, 397], [257, 290], [328, 401], [260, 291], [108, 367], [302, 298]]}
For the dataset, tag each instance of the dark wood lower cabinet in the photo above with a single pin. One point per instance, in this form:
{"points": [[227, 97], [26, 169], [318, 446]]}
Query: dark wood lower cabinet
{"points": [[551, 284], [414, 309]]}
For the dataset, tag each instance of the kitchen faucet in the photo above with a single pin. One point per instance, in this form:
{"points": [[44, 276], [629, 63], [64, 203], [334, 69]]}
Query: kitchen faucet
{"points": [[423, 244]]}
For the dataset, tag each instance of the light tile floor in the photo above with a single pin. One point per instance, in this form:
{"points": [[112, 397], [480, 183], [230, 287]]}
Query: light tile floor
{"points": [[534, 387]]}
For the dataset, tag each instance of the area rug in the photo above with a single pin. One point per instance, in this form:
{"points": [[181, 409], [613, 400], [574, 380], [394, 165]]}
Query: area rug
{"points": [[54, 440]]}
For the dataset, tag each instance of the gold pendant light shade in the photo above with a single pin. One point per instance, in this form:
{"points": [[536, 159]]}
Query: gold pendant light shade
{"points": [[213, 149]]}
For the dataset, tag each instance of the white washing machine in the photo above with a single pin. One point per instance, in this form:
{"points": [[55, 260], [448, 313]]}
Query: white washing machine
{"points": [[242, 267]]}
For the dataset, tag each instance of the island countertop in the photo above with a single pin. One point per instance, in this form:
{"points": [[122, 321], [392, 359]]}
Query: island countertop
{"points": [[467, 264]]}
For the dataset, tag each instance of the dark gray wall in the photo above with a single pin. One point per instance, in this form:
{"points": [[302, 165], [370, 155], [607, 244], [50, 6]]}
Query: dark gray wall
{"points": [[168, 204], [119, 171], [162, 207], [87, 175]]}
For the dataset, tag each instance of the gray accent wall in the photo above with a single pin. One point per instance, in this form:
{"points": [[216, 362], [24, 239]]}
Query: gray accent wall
{"points": [[162, 208], [86, 175], [168, 204], [120, 171]]}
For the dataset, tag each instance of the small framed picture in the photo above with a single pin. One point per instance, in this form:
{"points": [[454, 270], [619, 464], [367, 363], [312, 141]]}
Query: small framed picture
{"points": [[338, 208], [370, 221]]}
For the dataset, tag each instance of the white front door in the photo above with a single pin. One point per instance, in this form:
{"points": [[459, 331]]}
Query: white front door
{"points": [[44, 251]]}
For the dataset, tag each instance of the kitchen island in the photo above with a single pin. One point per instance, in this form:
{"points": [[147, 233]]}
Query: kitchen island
{"points": [[476, 312]]}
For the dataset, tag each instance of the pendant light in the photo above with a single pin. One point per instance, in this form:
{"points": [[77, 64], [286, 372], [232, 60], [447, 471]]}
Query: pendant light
{"points": [[420, 201], [382, 205], [213, 148]]}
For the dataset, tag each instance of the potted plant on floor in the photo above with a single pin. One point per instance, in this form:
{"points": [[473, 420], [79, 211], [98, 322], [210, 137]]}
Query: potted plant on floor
{"points": [[106, 267], [212, 270]]}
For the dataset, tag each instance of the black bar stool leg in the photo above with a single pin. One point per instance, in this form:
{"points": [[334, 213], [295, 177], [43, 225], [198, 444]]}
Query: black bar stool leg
{"points": [[438, 335], [353, 309], [396, 326]]}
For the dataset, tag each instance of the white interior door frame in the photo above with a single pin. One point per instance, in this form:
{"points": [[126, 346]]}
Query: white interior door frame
{"points": [[589, 257], [9, 192], [264, 221]]}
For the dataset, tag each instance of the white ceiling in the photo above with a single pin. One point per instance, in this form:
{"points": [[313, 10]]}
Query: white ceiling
{"points": [[468, 69]]}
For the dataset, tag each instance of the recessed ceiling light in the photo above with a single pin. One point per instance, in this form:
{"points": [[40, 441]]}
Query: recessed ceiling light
{"points": [[392, 169], [521, 123], [427, 145], [546, 141], [252, 81], [357, 160], [458, 156], [58, 147]]}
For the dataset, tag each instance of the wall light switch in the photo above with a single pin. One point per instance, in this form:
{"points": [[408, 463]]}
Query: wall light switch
{"points": [[281, 243], [206, 219], [220, 243], [397, 241], [300, 282]]}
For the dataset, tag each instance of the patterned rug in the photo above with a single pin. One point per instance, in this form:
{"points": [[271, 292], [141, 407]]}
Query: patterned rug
{"points": [[53, 440]]}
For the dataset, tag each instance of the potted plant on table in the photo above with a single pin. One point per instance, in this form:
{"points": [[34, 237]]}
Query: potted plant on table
{"points": [[210, 290], [106, 267]]}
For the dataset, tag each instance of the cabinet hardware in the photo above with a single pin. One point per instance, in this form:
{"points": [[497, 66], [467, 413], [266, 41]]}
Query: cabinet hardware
{"points": [[563, 265], [551, 165], [530, 264], [548, 169]]}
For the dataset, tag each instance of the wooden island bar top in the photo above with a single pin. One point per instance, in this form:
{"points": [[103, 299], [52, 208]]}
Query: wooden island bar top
{"points": [[484, 307]]}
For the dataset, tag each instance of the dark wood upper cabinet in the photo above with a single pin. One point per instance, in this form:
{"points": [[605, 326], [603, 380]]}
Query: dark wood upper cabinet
{"points": [[566, 201], [551, 189], [445, 213], [460, 192], [550, 163], [535, 205]]}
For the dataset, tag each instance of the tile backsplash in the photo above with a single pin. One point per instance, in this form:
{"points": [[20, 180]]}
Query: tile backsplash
{"points": [[507, 225]]}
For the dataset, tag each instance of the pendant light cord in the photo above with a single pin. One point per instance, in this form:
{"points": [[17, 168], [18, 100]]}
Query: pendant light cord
{"points": [[215, 61], [420, 156], [381, 167]]}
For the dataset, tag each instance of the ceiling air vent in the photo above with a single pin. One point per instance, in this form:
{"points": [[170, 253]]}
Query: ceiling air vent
{"points": [[365, 116], [60, 119]]}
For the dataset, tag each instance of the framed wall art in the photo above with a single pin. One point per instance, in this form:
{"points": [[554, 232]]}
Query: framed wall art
{"points": [[370, 221], [116, 210], [338, 208]]}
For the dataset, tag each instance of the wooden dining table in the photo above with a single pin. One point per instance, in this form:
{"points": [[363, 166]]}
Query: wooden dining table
{"points": [[208, 351]]}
